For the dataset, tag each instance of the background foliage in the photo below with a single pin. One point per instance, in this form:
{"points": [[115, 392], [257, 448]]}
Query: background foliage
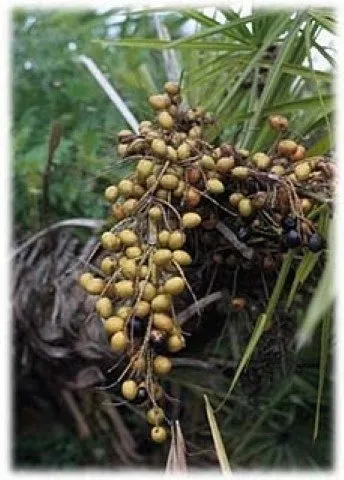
{"points": [[242, 70]]}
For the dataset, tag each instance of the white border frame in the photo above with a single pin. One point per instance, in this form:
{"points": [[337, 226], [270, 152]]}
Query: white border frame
{"points": [[5, 216]]}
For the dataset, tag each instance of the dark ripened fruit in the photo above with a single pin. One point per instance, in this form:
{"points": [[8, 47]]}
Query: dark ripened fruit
{"points": [[292, 239], [315, 243], [137, 326], [141, 396], [158, 341], [288, 223], [243, 234]]}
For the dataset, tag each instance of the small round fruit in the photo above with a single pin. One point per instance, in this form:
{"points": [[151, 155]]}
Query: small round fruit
{"points": [[174, 286], [155, 416], [171, 154], [277, 170], [126, 187], [139, 365], [142, 308], [195, 132], [104, 307], [155, 214], [165, 120], [119, 342], [181, 257], [144, 168], [151, 181], [159, 434], [288, 223], [133, 252], [163, 238], [124, 312], [110, 241], [162, 257], [302, 171], [148, 290], [162, 194], [117, 211], [159, 102], [172, 88], [278, 122], [129, 269], [129, 206], [225, 164], [169, 182], [129, 389], [161, 303], [179, 191], [192, 198], [162, 365], [108, 265], [176, 240], [245, 207], [306, 205], [128, 237], [122, 149], [235, 198], [158, 147], [215, 186], [113, 325], [193, 174], [261, 160], [157, 340], [175, 343], [95, 286], [286, 147], [299, 154], [240, 173], [292, 239], [124, 288], [315, 243], [207, 162], [183, 151], [191, 220], [161, 321], [84, 279], [111, 193]]}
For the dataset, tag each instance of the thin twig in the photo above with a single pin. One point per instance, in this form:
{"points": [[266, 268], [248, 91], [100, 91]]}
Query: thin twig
{"points": [[245, 251], [194, 308]]}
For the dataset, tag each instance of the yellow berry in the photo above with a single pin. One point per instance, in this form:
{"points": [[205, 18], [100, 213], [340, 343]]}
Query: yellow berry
{"points": [[175, 343], [163, 238], [111, 193], [302, 171], [278, 122], [119, 342], [84, 279], [162, 365], [261, 160], [207, 162], [126, 187], [129, 268], [113, 325], [299, 154], [155, 213], [117, 211], [195, 132], [179, 191], [277, 170], [225, 164], [161, 321], [133, 252], [165, 120], [142, 309], [176, 240], [169, 182], [124, 312], [129, 389], [161, 303], [144, 168], [306, 205], [104, 307], [183, 151], [129, 206], [155, 416], [286, 147], [181, 257], [148, 290], [158, 434], [162, 256], [95, 286], [171, 154], [128, 237], [124, 288], [245, 207], [174, 286], [191, 220], [108, 265], [235, 198], [158, 147], [171, 88], [159, 102], [215, 186], [110, 241], [240, 173]]}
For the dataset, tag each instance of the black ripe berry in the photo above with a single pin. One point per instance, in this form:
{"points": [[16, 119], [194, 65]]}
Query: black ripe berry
{"points": [[158, 341], [141, 396], [136, 326], [315, 243], [292, 239], [288, 223], [243, 234]]}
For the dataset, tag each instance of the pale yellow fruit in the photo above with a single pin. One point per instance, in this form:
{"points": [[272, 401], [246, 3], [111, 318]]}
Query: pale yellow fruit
{"points": [[174, 286], [133, 252], [225, 164], [143, 271], [128, 237], [95, 286], [261, 160], [169, 182], [151, 181], [124, 312], [165, 120], [104, 307], [155, 213], [110, 241], [306, 205], [286, 147], [162, 194], [161, 303], [277, 170], [278, 122], [235, 198], [129, 389], [302, 171], [111, 193], [108, 265], [179, 191], [207, 162], [176, 240], [113, 325], [175, 343], [155, 416], [124, 288], [129, 206], [172, 88], [299, 154], [183, 151], [122, 149], [215, 186], [181, 257], [126, 187], [162, 365], [84, 279], [191, 220], [159, 102], [195, 132], [158, 147], [119, 342], [148, 290], [144, 168], [142, 309], [245, 207], [159, 434], [240, 173], [161, 321], [162, 256], [171, 154], [163, 238], [129, 269]]}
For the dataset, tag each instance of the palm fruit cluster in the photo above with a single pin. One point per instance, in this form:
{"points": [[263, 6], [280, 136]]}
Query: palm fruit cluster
{"points": [[179, 181]]}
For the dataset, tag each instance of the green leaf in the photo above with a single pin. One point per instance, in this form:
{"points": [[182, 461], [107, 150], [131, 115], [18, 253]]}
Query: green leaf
{"points": [[217, 439]]}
